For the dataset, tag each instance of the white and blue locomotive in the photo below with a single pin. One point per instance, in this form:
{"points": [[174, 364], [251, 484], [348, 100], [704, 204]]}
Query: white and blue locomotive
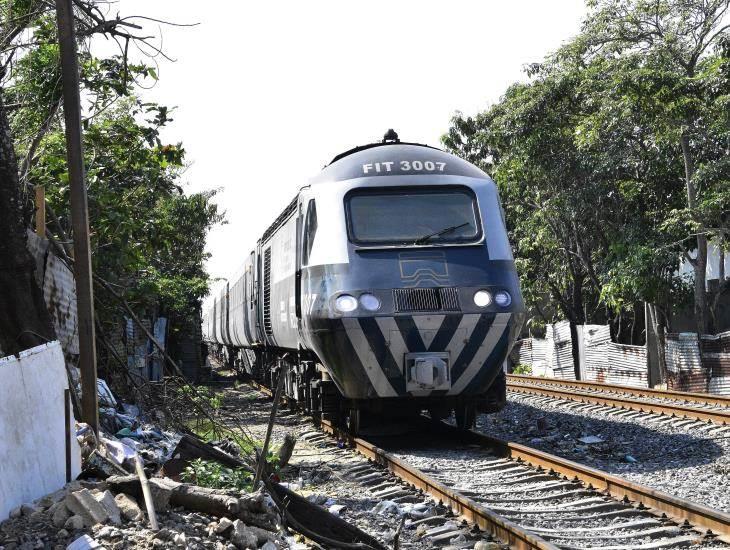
{"points": [[387, 285]]}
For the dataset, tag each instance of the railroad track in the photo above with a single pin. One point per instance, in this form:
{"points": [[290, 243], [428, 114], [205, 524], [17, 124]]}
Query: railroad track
{"points": [[677, 407], [531, 499]]}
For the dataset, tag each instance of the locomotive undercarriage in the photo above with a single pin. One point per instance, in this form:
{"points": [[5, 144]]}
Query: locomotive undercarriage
{"points": [[308, 386]]}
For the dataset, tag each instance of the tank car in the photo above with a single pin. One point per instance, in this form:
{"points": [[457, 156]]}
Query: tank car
{"points": [[387, 285]]}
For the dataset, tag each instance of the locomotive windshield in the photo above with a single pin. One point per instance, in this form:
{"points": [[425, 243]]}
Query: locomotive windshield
{"points": [[413, 216]]}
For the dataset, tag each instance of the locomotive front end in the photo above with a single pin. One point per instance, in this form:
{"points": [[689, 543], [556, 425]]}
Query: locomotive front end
{"points": [[410, 296]]}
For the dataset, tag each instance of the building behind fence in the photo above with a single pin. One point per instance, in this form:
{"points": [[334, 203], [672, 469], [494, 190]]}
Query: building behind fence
{"points": [[696, 364]]}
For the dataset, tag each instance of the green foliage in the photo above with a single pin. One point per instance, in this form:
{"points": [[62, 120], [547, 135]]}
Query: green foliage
{"points": [[147, 235], [202, 395], [522, 369], [588, 160], [213, 475]]}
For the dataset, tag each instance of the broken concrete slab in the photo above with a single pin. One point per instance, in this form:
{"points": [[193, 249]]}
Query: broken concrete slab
{"points": [[83, 503], [106, 499]]}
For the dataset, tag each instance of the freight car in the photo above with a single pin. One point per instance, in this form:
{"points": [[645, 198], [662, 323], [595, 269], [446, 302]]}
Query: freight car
{"points": [[386, 286]]}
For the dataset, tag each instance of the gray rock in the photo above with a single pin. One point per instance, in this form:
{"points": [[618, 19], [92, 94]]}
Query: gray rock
{"points": [[242, 537], [223, 525], [108, 532], [16, 512], [484, 545], [128, 507], [59, 514], [269, 546], [74, 523], [39, 516], [28, 509]]}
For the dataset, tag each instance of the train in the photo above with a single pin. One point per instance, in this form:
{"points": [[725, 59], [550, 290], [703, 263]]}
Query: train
{"points": [[386, 287]]}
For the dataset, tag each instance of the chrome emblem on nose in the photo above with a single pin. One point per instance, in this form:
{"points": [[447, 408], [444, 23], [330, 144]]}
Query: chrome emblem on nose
{"points": [[418, 268]]}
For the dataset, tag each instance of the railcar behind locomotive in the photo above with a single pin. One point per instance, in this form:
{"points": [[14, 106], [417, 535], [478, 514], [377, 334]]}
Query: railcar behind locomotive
{"points": [[386, 285]]}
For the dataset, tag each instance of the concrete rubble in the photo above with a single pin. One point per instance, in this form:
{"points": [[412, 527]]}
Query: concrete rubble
{"points": [[86, 513], [105, 508]]}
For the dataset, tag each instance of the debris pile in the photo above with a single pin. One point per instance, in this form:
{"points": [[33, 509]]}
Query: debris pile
{"points": [[101, 515], [130, 495]]}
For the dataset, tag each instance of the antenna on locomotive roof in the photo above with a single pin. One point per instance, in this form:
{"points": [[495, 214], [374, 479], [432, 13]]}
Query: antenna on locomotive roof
{"points": [[391, 136]]}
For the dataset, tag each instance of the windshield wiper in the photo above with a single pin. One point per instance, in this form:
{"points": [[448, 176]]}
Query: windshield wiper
{"points": [[426, 238]]}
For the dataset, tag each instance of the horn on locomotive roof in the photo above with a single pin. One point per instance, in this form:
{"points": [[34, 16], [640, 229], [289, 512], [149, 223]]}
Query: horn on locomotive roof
{"points": [[391, 135]]}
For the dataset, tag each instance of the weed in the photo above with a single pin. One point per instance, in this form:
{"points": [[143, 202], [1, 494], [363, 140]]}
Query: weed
{"points": [[213, 475], [522, 369]]}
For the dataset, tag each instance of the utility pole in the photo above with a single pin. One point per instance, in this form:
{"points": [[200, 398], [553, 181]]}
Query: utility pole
{"points": [[79, 213]]}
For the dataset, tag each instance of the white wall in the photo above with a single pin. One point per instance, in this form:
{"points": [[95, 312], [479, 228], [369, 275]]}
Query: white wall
{"points": [[32, 427], [713, 263]]}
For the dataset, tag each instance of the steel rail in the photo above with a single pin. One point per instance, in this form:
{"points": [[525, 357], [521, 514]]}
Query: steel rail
{"points": [[717, 416], [713, 522], [487, 520], [703, 398], [678, 509]]}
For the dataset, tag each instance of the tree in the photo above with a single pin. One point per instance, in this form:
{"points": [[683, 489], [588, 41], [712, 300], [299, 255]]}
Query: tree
{"points": [[589, 160], [148, 237], [666, 58]]}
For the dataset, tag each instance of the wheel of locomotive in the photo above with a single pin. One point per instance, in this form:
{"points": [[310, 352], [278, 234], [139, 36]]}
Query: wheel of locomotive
{"points": [[352, 420], [466, 414]]}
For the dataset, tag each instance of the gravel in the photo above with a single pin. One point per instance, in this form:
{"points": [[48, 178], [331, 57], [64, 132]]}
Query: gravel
{"points": [[343, 482], [690, 461], [566, 513]]}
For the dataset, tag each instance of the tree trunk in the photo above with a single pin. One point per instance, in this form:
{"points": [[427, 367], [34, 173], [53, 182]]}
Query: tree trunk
{"points": [[700, 263], [577, 317], [251, 508], [24, 318]]}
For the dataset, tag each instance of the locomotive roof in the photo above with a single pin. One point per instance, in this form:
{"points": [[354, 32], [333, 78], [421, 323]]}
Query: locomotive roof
{"points": [[350, 164]]}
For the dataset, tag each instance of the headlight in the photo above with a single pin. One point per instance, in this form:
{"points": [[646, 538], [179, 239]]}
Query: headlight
{"points": [[370, 302], [503, 298], [346, 303], [482, 298]]}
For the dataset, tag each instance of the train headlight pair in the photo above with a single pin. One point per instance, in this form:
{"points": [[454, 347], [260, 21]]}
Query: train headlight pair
{"points": [[483, 298], [346, 303]]}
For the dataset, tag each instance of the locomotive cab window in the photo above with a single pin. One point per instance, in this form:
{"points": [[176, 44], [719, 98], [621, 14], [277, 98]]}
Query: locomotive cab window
{"points": [[310, 229], [413, 216]]}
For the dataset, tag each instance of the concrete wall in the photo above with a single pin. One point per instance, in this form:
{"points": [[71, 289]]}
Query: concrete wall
{"points": [[32, 427]]}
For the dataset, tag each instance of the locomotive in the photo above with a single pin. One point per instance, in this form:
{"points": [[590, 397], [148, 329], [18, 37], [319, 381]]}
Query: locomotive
{"points": [[387, 286]]}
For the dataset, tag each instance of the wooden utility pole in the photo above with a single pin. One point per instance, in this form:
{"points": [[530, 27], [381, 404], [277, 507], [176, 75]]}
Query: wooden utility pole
{"points": [[40, 211], [79, 213]]}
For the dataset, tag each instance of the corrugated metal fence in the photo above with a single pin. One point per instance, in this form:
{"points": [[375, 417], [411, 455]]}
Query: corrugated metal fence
{"points": [[696, 364], [59, 291]]}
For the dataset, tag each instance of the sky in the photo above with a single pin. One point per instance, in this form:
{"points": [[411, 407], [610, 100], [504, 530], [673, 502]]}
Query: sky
{"points": [[267, 92]]}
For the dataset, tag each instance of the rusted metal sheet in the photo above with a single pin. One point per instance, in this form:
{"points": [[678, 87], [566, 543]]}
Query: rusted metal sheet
{"points": [[699, 364], [716, 358], [59, 291]]}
